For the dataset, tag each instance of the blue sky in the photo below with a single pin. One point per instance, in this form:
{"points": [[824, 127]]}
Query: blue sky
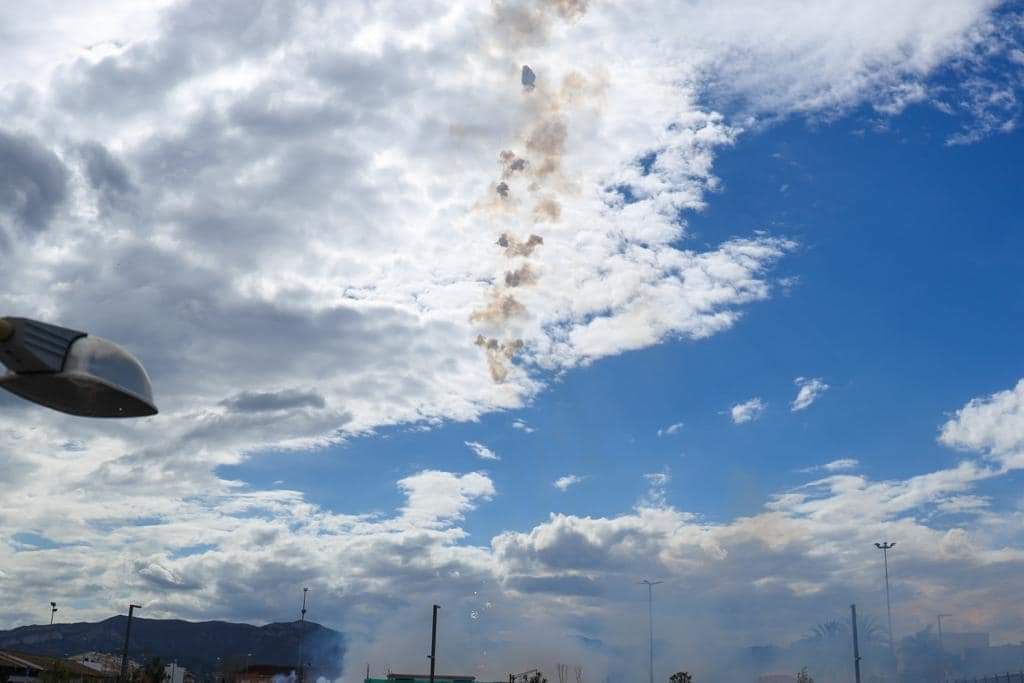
{"points": [[351, 267], [906, 301]]}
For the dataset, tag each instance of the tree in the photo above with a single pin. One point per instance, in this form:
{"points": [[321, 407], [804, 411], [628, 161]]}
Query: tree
{"points": [[804, 677], [537, 678], [680, 677]]}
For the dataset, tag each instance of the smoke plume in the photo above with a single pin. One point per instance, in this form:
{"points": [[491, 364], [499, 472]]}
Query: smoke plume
{"points": [[534, 171]]}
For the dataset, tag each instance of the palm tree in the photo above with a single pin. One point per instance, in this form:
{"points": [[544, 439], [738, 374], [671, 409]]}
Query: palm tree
{"points": [[681, 677]]}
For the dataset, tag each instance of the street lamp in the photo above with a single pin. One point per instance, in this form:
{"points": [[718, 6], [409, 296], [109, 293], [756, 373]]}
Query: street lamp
{"points": [[71, 371], [53, 611], [650, 622], [942, 647], [127, 637], [885, 547]]}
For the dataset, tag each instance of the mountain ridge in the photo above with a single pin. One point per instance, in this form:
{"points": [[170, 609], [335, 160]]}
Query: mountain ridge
{"points": [[202, 647]]}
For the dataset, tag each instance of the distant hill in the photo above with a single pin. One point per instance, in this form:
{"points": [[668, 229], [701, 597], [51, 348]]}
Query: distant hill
{"points": [[194, 645]]}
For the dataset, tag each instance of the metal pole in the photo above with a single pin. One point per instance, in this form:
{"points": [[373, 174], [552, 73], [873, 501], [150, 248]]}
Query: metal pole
{"points": [[885, 546], [650, 624], [127, 637], [433, 643], [856, 645], [53, 611], [942, 645], [302, 625]]}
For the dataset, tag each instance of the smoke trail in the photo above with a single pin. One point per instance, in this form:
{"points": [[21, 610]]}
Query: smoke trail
{"points": [[545, 137]]}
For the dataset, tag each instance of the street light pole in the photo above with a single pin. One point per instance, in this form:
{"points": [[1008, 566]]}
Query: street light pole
{"points": [[650, 624], [885, 547], [53, 611], [433, 643], [127, 636], [856, 645], [302, 625], [942, 647]]}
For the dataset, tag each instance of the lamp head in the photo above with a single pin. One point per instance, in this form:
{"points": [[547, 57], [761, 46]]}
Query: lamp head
{"points": [[72, 372]]}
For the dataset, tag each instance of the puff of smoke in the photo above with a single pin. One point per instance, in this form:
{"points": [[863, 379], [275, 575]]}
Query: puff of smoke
{"points": [[547, 210], [515, 247], [499, 354], [521, 276], [501, 307], [511, 164]]}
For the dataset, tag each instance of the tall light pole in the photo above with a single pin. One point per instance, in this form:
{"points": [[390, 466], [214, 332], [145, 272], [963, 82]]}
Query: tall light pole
{"points": [[885, 547], [433, 643], [302, 628], [53, 611], [650, 623], [127, 636], [942, 647], [856, 644]]}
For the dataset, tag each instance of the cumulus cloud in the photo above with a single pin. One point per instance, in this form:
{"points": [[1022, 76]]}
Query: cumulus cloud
{"points": [[993, 424], [563, 483], [747, 411], [810, 390], [482, 451]]}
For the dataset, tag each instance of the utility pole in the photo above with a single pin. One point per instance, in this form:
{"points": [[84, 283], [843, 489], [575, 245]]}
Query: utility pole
{"points": [[53, 611], [885, 547], [650, 623], [856, 645], [942, 647], [433, 643], [127, 637], [302, 633]]}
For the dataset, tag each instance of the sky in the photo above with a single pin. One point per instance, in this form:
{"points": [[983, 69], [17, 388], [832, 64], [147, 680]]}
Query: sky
{"points": [[728, 293]]}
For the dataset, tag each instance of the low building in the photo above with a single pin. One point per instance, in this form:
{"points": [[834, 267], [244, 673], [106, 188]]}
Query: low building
{"points": [[104, 662], [22, 667], [422, 678], [176, 674]]}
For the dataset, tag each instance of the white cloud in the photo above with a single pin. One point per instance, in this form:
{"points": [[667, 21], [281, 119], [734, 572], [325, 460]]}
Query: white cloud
{"points": [[747, 411], [522, 426], [993, 424], [841, 464], [810, 390], [670, 429], [563, 483], [482, 451]]}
